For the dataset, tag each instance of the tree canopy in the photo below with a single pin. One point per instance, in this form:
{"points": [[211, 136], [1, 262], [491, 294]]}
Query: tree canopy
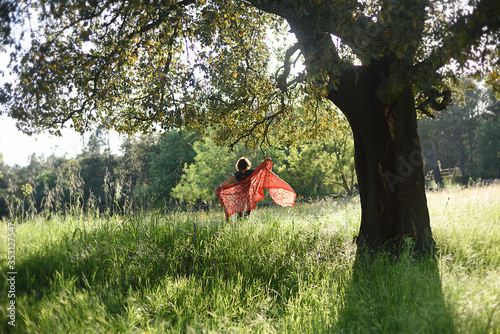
{"points": [[139, 65]]}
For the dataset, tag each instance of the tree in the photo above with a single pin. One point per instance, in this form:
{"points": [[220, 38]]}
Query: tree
{"points": [[133, 169], [7, 8], [93, 173], [175, 150], [321, 168], [1, 166], [3, 189], [211, 166], [449, 138], [456, 138], [136, 65], [488, 146], [487, 142]]}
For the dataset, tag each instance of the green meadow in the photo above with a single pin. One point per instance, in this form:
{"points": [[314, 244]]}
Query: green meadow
{"points": [[283, 270]]}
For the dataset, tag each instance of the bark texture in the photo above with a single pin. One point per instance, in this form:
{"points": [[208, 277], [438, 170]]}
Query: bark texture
{"points": [[388, 163], [388, 156]]}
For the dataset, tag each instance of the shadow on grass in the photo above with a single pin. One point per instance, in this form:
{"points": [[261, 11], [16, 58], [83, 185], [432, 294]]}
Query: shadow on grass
{"points": [[114, 263], [395, 295]]}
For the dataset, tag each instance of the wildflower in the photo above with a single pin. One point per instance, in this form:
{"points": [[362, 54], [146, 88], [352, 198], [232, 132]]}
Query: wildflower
{"points": [[27, 189]]}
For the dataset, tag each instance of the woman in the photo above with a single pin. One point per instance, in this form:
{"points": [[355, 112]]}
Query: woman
{"points": [[242, 196], [243, 171]]}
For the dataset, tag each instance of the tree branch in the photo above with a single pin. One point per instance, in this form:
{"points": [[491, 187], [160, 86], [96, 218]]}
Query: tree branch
{"points": [[465, 33], [281, 79], [266, 120], [432, 101]]}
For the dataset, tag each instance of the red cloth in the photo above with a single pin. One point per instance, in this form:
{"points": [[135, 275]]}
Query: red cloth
{"points": [[243, 195]]}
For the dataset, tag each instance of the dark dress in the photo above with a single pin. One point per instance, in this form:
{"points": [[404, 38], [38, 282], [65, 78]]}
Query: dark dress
{"points": [[239, 177]]}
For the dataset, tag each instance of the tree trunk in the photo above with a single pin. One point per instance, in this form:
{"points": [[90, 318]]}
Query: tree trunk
{"points": [[348, 189], [438, 179], [388, 166], [432, 158], [379, 104]]}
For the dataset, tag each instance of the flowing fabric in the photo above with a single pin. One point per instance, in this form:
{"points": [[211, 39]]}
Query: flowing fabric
{"points": [[243, 195]]}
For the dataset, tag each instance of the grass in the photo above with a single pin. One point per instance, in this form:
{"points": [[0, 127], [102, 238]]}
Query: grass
{"points": [[285, 270]]}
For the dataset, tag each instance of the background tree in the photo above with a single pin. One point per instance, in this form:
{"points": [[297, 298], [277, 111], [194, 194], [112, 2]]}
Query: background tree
{"points": [[487, 142], [4, 211], [451, 139], [95, 168], [322, 168], [212, 165], [167, 166], [205, 64], [340, 167], [132, 171]]}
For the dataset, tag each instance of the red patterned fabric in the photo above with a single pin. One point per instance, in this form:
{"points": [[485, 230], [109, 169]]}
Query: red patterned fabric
{"points": [[243, 195]]}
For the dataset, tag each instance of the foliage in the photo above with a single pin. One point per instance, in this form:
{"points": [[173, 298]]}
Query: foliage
{"points": [[311, 169], [3, 188], [132, 69], [44, 182], [132, 172], [322, 168], [175, 150], [152, 171], [487, 142], [465, 135], [285, 270], [7, 20], [132, 65]]}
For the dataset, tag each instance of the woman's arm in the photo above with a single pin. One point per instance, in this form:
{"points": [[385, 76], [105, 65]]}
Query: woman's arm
{"points": [[228, 180]]}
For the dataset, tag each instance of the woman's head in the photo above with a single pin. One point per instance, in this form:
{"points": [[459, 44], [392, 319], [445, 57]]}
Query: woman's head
{"points": [[243, 164]]}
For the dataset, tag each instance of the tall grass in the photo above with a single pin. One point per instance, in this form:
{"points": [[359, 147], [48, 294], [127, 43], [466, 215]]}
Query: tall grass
{"points": [[466, 227], [284, 270]]}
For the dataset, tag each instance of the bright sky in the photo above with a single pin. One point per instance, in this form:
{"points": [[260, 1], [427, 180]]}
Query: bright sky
{"points": [[17, 147]]}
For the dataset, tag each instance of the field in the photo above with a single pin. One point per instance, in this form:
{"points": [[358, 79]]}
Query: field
{"points": [[284, 270]]}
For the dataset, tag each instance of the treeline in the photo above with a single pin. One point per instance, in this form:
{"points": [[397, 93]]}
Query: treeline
{"points": [[180, 169], [463, 144], [171, 169]]}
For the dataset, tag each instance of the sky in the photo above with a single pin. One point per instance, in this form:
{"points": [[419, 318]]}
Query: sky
{"points": [[16, 147]]}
